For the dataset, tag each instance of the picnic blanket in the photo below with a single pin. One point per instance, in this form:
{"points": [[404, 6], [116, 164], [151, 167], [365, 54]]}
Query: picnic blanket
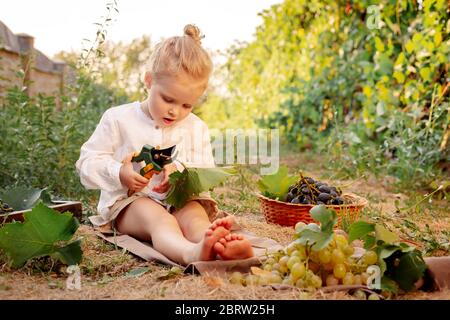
{"points": [[261, 247]]}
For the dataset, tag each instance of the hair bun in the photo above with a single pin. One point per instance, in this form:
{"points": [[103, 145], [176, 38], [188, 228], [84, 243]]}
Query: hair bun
{"points": [[194, 32]]}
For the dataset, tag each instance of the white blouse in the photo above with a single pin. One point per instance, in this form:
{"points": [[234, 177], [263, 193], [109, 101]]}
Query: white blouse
{"points": [[125, 129]]}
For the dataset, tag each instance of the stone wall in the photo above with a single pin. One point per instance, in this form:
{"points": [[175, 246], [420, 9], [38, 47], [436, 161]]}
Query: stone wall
{"points": [[10, 64], [37, 72]]}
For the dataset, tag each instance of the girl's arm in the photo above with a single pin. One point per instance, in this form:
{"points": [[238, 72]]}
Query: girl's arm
{"points": [[96, 166]]}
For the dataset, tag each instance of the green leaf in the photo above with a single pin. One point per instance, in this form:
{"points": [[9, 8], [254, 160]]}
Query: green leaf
{"points": [[211, 177], [388, 284], [182, 187], [425, 73], [400, 59], [359, 229], [411, 268], [173, 272], [417, 38], [399, 76], [369, 241], [276, 185], [135, 273], [70, 254], [385, 64], [43, 232], [192, 181], [437, 38], [326, 217], [385, 251], [405, 247], [24, 198], [317, 237], [409, 46], [379, 45], [381, 233]]}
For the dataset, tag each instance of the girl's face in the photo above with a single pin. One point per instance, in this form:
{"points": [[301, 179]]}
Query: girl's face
{"points": [[171, 99]]}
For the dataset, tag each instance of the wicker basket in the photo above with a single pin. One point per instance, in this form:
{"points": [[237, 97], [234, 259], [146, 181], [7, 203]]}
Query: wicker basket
{"points": [[288, 214]]}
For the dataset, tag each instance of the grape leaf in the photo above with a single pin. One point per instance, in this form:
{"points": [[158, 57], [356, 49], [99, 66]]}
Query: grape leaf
{"points": [[182, 187], [384, 251], [410, 268], [384, 234], [43, 232], [326, 217], [360, 229], [312, 235], [388, 284], [371, 233], [211, 177], [276, 185], [24, 198], [317, 240], [192, 181], [400, 264]]}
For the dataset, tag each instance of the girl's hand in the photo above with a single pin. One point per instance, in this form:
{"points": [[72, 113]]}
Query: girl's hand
{"points": [[165, 185], [130, 178]]}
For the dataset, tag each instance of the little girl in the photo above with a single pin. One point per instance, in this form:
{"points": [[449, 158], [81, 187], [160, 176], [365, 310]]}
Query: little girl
{"points": [[177, 77]]}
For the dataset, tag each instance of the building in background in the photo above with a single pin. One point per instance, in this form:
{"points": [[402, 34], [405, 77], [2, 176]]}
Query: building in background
{"points": [[21, 64]]}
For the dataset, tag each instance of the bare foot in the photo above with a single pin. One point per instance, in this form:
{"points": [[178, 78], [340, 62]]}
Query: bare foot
{"points": [[226, 222], [233, 247], [204, 250]]}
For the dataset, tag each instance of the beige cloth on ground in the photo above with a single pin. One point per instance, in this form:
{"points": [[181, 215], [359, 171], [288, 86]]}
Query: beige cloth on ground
{"points": [[261, 246]]}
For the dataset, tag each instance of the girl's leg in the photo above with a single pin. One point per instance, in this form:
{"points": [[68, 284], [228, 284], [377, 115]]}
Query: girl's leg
{"points": [[193, 221], [145, 219]]}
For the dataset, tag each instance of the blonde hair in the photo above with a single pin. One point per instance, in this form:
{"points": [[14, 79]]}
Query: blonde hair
{"points": [[183, 53]]}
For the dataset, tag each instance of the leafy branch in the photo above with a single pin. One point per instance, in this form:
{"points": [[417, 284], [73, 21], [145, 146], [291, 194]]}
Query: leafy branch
{"points": [[400, 264], [192, 181]]}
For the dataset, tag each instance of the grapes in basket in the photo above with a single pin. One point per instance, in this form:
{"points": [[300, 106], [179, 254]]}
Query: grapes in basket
{"points": [[4, 207], [309, 191]]}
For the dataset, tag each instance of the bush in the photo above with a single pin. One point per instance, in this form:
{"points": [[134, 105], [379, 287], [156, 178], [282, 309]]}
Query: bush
{"points": [[375, 98], [41, 144]]}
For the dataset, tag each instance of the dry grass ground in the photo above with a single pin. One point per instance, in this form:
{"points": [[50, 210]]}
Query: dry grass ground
{"points": [[104, 268]]}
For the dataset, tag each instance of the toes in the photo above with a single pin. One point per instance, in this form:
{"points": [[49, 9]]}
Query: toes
{"points": [[230, 219], [220, 232], [232, 237], [237, 237], [219, 248], [226, 222]]}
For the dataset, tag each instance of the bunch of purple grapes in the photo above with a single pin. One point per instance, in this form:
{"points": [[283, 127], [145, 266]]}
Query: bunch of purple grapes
{"points": [[4, 207], [309, 191]]}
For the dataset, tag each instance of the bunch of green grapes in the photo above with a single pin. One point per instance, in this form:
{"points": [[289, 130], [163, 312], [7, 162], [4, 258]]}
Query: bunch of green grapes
{"points": [[298, 265]]}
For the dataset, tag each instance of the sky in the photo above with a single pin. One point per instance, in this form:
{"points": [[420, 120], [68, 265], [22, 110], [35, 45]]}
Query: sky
{"points": [[61, 25]]}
